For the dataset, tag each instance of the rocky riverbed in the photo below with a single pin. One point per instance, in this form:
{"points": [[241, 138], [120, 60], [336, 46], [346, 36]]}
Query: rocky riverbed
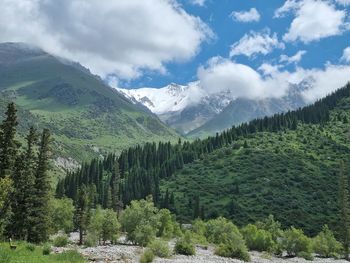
{"points": [[131, 254]]}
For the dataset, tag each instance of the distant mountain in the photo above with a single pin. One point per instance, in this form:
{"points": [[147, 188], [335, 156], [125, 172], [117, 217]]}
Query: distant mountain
{"points": [[184, 108], [192, 111], [86, 116], [243, 110]]}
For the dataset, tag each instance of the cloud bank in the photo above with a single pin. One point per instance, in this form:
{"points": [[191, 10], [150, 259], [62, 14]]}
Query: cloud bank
{"points": [[121, 37], [269, 81]]}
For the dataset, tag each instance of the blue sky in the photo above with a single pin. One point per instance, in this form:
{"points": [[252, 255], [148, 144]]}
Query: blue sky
{"points": [[217, 15]]}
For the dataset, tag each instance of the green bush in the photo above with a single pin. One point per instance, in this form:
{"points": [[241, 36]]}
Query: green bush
{"points": [[305, 255], [258, 239], [147, 256], [295, 242], [160, 248], [226, 235], [60, 241], [46, 249], [231, 250], [184, 246], [325, 244], [140, 221], [30, 247]]}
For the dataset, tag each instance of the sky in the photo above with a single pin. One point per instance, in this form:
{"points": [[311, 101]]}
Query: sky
{"points": [[255, 48]]}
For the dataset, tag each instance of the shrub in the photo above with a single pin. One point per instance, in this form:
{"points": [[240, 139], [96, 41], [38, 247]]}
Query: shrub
{"points": [[224, 233], [61, 214], [232, 251], [305, 255], [258, 239], [30, 247], [144, 234], [160, 248], [325, 244], [184, 246], [272, 226], [60, 241], [294, 242], [147, 256], [46, 249]]}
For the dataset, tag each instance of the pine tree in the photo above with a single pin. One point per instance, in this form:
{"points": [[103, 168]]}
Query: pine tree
{"points": [[24, 185], [39, 214], [8, 144], [344, 210], [82, 212], [196, 210]]}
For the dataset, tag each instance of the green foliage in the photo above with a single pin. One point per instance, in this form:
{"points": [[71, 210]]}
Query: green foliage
{"points": [[143, 221], [230, 250], [61, 214], [295, 242], [160, 248], [46, 249], [28, 253], [226, 235], [147, 256], [82, 210], [60, 241], [325, 244], [30, 247], [110, 226], [5, 192], [257, 239], [185, 246]]}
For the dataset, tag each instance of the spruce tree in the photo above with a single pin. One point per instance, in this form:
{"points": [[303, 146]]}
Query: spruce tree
{"points": [[39, 212], [24, 189], [82, 212], [344, 210], [8, 144]]}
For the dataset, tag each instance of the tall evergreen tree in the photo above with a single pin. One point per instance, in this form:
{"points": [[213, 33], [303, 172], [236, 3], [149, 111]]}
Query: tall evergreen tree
{"points": [[24, 189], [8, 144], [39, 213], [82, 212], [344, 210]]}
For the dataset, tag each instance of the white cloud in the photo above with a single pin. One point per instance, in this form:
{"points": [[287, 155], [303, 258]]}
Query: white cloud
{"points": [[121, 37], [293, 59], [255, 43], [243, 81], [198, 2], [346, 54], [343, 2], [314, 20], [246, 16]]}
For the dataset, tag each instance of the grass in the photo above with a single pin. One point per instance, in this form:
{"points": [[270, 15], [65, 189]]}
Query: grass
{"points": [[290, 174], [25, 254]]}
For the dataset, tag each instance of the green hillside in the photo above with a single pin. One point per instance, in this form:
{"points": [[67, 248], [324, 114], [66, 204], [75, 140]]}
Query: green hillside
{"points": [[87, 117], [291, 174]]}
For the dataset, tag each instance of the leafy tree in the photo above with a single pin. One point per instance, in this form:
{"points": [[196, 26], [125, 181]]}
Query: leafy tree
{"points": [[257, 239], [140, 221], [95, 226], [110, 226], [185, 246], [160, 248], [62, 214]]}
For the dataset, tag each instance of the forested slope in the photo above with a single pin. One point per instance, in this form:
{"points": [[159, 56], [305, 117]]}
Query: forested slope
{"points": [[285, 165]]}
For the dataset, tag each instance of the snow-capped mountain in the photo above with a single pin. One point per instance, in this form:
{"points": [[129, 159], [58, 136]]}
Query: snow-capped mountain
{"points": [[183, 107], [191, 110]]}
